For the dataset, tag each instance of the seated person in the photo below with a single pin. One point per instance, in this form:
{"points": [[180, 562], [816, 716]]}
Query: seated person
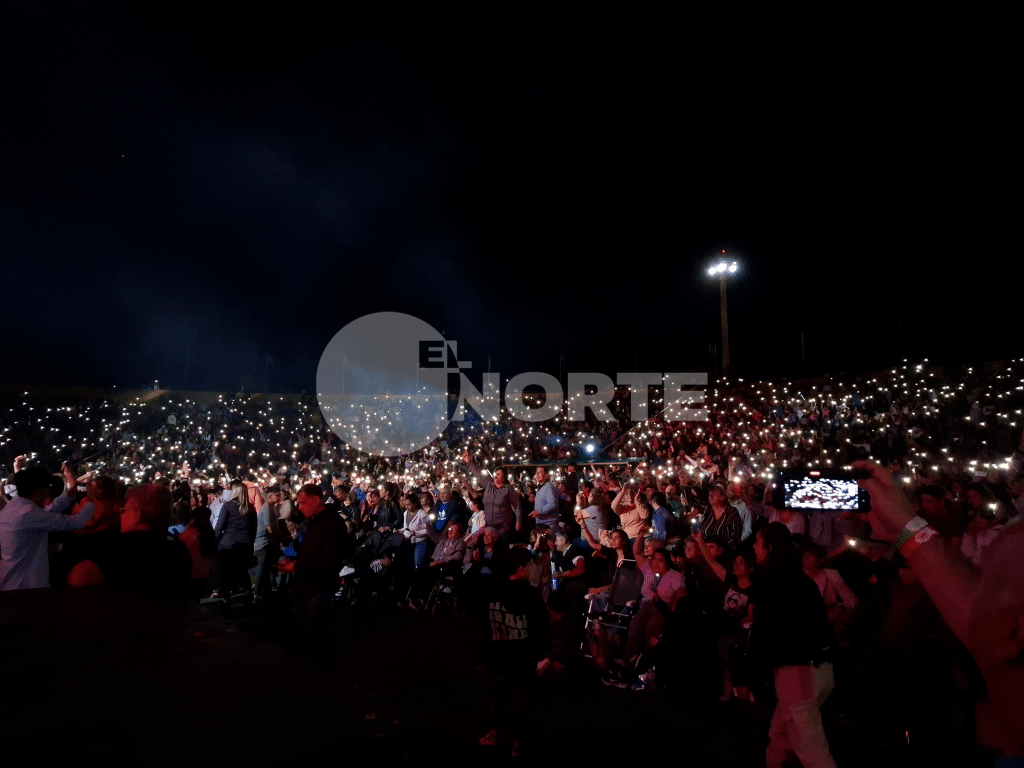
{"points": [[486, 571], [606, 559], [839, 598], [446, 561], [570, 573], [652, 615]]}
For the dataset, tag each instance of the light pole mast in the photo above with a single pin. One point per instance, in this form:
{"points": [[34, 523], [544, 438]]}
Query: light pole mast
{"points": [[725, 326], [723, 269]]}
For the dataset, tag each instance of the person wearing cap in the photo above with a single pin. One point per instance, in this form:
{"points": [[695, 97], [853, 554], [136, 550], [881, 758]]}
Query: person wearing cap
{"points": [[25, 524]]}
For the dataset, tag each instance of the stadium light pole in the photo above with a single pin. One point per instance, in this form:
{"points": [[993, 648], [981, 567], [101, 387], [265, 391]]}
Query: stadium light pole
{"points": [[722, 269]]}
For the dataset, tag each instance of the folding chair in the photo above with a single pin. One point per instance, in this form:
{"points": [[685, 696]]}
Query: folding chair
{"points": [[622, 600]]}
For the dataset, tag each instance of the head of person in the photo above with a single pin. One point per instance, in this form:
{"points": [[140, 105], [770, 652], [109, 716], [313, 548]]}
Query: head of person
{"points": [[477, 504], [538, 531], [146, 508], [199, 516], [562, 542], [519, 559], [499, 477], [310, 500], [372, 497], [411, 502], [651, 545], [691, 550], [240, 495], [33, 483], [658, 500], [426, 501], [661, 562], [490, 536], [717, 546], [813, 556], [775, 551], [540, 476], [101, 488], [743, 563], [933, 500], [389, 492], [445, 493], [454, 530], [716, 496], [619, 539], [975, 494]]}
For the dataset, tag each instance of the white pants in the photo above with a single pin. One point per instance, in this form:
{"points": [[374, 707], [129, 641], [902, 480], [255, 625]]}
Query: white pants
{"points": [[796, 725]]}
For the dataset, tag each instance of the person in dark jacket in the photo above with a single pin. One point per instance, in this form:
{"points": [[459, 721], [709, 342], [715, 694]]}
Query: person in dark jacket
{"points": [[316, 569], [234, 531], [516, 645], [791, 634]]}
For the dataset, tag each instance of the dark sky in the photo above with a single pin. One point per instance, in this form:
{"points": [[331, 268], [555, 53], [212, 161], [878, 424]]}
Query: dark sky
{"points": [[209, 187]]}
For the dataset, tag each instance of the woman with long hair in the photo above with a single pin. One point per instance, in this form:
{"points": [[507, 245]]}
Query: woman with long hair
{"points": [[234, 534], [791, 635]]}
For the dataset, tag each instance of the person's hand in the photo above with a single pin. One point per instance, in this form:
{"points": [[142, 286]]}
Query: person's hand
{"points": [[519, 525], [19, 462], [535, 513], [543, 666], [890, 509], [465, 457], [69, 477]]}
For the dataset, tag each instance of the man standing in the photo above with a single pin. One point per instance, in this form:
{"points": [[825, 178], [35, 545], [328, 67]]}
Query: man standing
{"points": [[25, 525], [446, 509], [545, 507], [265, 544], [316, 568], [501, 502], [515, 650]]}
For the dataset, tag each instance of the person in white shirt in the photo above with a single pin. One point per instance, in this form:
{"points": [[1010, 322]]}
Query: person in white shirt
{"points": [[25, 524], [839, 598]]}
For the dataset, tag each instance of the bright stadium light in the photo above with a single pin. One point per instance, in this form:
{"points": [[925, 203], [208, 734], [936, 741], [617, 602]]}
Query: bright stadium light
{"points": [[722, 269]]}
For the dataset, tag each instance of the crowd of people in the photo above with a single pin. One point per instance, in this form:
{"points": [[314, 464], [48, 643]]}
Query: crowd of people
{"points": [[253, 499]]}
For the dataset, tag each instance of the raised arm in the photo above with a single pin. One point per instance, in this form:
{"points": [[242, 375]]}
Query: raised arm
{"points": [[948, 577], [594, 543], [709, 558], [638, 550]]}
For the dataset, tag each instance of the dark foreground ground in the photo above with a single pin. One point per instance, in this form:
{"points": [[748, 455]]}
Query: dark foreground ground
{"points": [[101, 678]]}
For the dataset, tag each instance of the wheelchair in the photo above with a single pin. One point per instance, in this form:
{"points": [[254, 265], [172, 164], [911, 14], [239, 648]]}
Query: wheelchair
{"points": [[443, 595], [606, 625]]}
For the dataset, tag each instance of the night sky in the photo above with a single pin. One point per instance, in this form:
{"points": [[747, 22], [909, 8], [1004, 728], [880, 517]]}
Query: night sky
{"points": [[183, 193]]}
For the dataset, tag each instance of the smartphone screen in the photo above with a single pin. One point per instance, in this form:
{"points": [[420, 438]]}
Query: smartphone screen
{"points": [[819, 491]]}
